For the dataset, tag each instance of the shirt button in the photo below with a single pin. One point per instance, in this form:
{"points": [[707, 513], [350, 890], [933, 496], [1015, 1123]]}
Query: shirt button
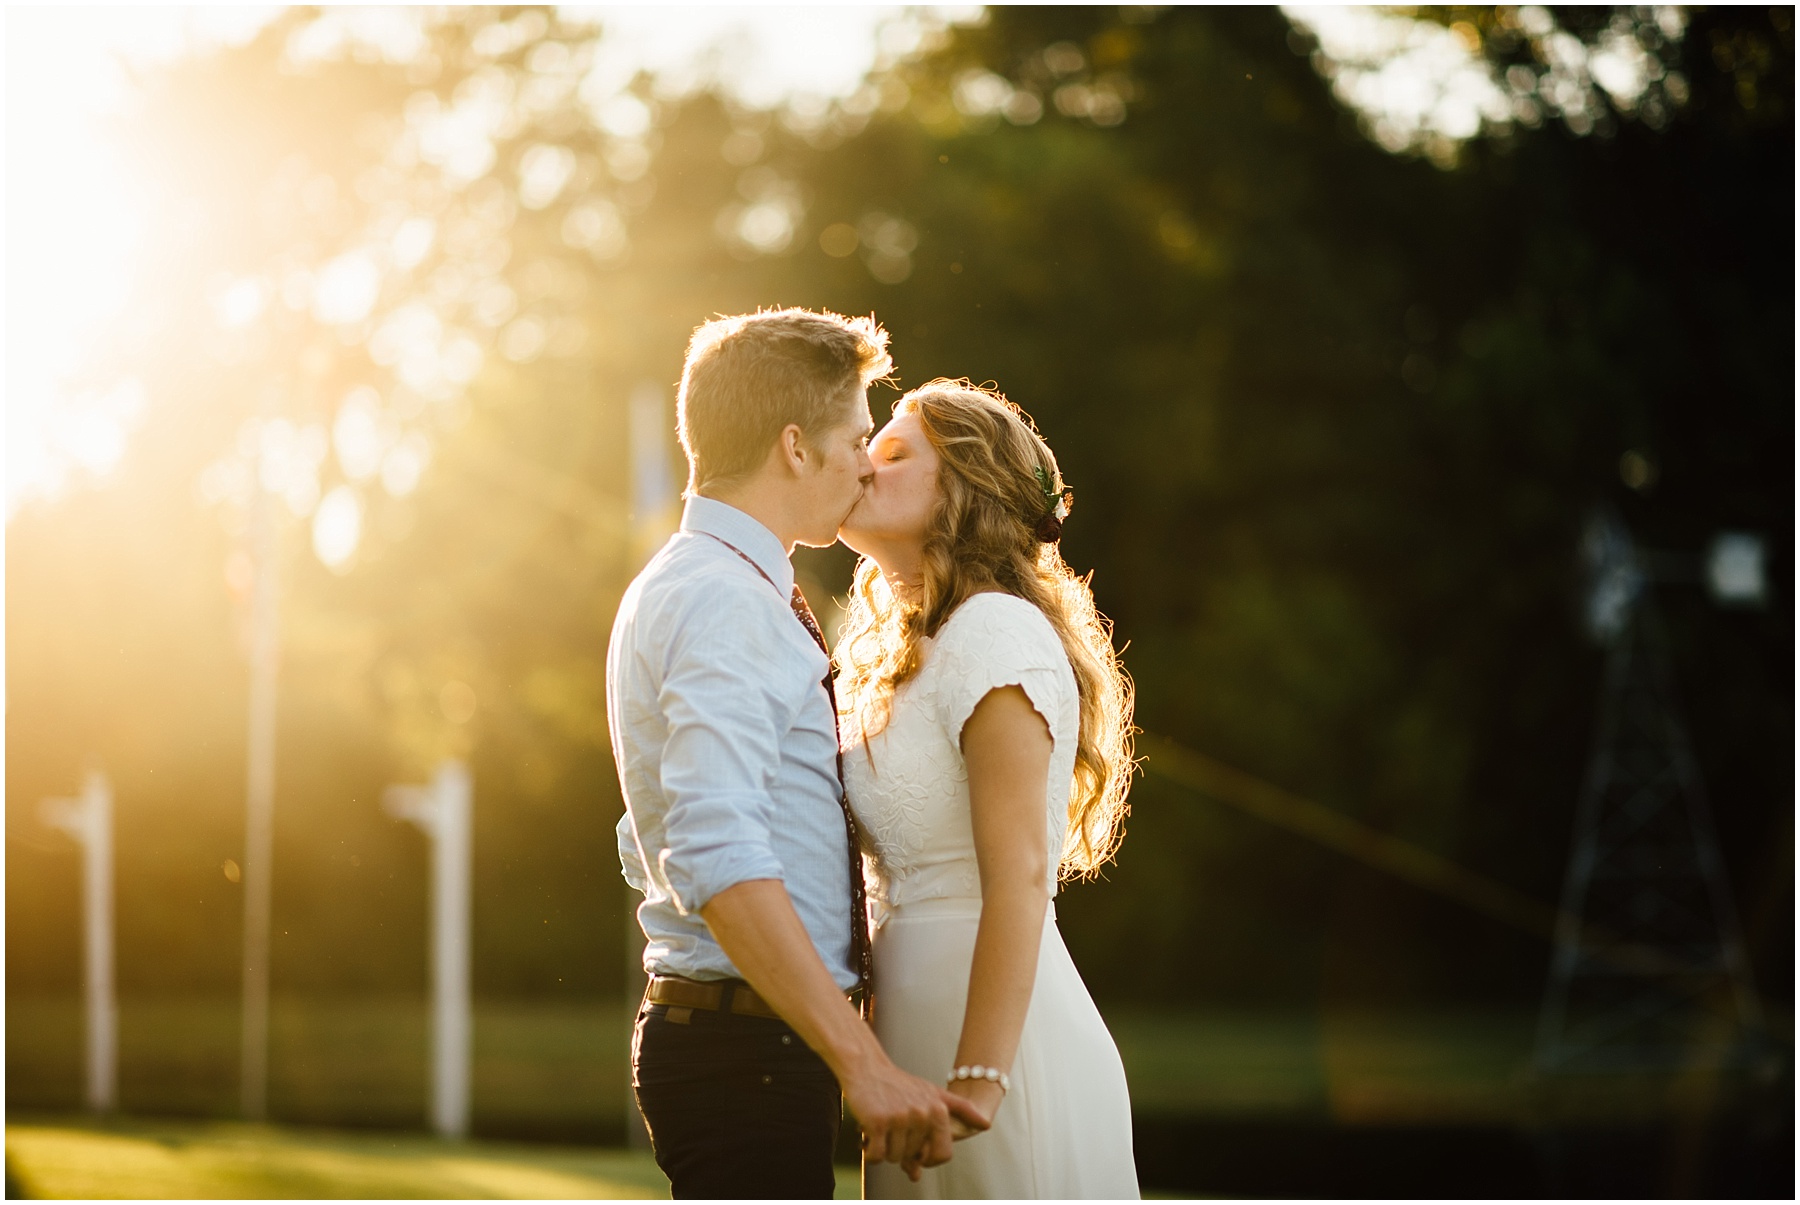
{"points": [[787, 1039], [768, 1079]]}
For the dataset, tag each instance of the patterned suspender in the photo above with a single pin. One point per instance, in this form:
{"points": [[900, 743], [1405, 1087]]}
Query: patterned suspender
{"points": [[859, 912]]}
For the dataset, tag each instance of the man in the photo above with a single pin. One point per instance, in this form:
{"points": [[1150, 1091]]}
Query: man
{"points": [[736, 829]]}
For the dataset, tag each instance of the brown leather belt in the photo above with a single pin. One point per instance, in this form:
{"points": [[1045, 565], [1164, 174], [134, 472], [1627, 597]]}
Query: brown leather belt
{"points": [[723, 995]]}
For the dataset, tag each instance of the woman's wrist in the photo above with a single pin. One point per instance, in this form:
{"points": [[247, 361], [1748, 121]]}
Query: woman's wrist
{"points": [[985, 1095], [979, 1072]]}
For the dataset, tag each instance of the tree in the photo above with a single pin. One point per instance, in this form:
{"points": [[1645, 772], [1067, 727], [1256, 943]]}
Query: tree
{"points": [[1333, 415]]}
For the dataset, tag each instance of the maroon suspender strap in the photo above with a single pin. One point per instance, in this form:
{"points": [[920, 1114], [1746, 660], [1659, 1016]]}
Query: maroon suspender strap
{"points": [[859, 911]]}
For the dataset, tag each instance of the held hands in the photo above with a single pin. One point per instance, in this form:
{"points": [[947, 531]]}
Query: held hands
{"points": [[979, 1095], [907, 1120]]}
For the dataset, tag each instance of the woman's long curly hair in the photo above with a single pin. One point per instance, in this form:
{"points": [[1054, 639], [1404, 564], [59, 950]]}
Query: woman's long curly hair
{"points": [[985, 533]]}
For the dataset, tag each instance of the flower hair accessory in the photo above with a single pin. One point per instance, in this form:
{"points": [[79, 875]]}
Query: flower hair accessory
{"points": [[1057, 504]]}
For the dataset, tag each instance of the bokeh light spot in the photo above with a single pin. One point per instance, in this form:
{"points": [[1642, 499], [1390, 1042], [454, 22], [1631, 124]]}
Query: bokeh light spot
{"points": [[598, 228], [766, 226], [839, 240], [457, 701], [345, 291], [543, 171], [358, 435], [404, 465], [337, 528], [1637, 470]]}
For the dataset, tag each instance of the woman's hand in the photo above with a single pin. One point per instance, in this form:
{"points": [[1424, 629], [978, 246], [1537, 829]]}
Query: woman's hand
{"points": [[984, 1095]]}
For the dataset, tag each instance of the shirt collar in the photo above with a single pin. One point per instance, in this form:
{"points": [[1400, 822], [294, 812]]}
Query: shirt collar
{"points": [[711, 517]]}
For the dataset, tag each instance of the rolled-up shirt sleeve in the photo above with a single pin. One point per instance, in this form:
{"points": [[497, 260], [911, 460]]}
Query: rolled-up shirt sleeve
{"points": [[629, 859], [728, 693]]}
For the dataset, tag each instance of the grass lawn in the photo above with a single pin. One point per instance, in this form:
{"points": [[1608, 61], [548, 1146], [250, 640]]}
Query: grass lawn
{"points": [[556, 1070], [1356, 1068], [63, 1158], [541, 1070]]}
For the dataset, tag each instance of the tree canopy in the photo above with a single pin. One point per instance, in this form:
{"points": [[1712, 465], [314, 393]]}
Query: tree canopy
{"points": [[1335, 414]]}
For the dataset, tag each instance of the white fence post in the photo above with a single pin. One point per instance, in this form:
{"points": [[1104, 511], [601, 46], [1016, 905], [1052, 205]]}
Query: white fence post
{"points": [[259, 806], [88, 819], [442, 810]]}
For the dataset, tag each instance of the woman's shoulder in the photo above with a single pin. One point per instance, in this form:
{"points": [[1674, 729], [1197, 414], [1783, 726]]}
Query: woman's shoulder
{"points": [[996, 640], [996, 622]]}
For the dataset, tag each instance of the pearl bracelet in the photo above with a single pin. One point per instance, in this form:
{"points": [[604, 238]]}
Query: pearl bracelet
{"points": [[991, 1074]]}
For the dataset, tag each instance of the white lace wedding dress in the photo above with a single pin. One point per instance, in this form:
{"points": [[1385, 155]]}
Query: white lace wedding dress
{"points": [[1064, 1129]]}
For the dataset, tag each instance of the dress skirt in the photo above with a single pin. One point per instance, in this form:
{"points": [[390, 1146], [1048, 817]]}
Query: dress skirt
{"points": [[1064, 1129]]}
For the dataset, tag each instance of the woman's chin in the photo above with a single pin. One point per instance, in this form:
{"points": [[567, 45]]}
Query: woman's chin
{"points": [[851, 537], [862, 539]]}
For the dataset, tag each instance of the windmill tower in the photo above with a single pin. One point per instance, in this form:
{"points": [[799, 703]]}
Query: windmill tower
{"points": [[1649, 975]]}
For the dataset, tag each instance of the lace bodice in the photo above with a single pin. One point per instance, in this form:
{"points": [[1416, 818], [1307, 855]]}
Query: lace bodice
{"points": [[909, 785]]}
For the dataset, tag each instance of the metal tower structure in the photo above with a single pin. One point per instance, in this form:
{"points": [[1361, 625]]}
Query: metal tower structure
{"points": [[1649, 973]]}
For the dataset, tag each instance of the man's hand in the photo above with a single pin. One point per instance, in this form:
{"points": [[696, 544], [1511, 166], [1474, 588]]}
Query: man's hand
{"points": [[967, 1118], [907, 1120], [982, 1096]]}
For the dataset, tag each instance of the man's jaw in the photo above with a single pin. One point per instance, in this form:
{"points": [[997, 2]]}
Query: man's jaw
{"points": [[861, 495], [845, 521]]}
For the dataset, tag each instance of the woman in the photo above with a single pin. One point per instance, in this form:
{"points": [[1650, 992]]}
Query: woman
{"points": [[987, 731]]}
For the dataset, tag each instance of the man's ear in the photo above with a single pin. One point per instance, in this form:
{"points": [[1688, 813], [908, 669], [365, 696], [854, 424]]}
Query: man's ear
{"points": [[790, 447]]}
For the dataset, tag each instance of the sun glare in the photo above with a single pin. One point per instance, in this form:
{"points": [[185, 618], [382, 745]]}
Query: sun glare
{"points": [[74, 236], [71, 238], [72, 233]]}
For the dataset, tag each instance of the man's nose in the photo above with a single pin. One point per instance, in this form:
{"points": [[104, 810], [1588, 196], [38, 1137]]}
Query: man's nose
{"points": [[865, 466]]}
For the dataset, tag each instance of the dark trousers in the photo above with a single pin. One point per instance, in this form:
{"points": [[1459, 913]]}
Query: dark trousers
{"points": [[736, 1106]]}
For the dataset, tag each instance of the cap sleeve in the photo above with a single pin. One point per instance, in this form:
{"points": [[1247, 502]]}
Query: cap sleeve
{"points": [[993, 641]]}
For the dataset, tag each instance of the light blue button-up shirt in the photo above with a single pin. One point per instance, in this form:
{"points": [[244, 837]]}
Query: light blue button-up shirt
{"points": [[725, 744]]}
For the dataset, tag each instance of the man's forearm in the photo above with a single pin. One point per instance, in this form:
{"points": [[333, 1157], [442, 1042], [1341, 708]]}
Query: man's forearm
{"points": [[755, 924], [904, 1119]]}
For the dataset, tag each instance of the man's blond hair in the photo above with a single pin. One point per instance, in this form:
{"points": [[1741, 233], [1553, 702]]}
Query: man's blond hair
{"points": [[748, 376]]}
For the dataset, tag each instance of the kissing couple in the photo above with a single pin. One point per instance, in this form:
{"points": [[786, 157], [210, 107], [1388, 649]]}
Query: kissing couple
{"points": [[848, 882]]}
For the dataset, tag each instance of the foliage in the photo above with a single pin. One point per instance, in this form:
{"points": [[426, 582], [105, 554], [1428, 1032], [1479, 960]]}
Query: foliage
{"points": [[1334, 415]]}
